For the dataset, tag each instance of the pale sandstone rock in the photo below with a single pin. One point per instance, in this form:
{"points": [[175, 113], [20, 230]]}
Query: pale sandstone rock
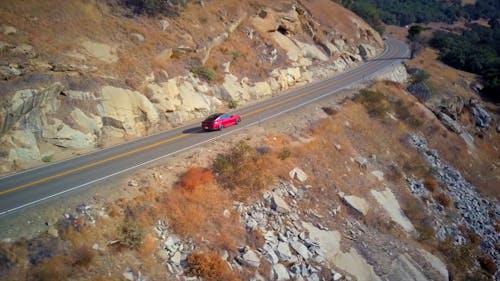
{"points": [[358, 203], [100, 51], [356, 265], [24, 146], [388, 201], [60, 134], [128, 107], [88, 124]]}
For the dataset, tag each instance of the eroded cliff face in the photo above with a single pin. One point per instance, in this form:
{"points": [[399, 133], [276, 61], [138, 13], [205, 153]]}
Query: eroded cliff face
{"points": [[94, 75]]}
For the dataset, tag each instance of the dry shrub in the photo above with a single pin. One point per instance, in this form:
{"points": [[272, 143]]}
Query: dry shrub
{"points": [[195, 208], [52, 269], [431, 184], [242, 170], [149, 246], [83, 256], [130, 234], [460, 257], [194, 177], [443, 199], [210, 266], [487, 263]]}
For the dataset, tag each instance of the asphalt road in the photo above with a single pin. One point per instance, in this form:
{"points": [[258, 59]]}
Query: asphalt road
{"points": [[50, 181]]}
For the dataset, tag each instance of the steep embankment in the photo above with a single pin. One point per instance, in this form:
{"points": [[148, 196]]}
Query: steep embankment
{"points": [[79, 75]]}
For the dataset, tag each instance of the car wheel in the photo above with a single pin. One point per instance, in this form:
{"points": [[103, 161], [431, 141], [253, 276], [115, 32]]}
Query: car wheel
{"points": [[238, 121], [221, 127]]}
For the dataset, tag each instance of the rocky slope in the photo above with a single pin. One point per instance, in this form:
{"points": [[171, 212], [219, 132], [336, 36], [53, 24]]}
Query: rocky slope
{"points": [[68, 86]]}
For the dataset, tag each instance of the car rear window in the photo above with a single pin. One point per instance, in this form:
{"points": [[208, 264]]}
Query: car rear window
{"points": [[212, 117]]}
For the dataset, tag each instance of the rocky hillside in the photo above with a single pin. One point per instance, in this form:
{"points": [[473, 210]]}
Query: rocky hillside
{"points": [[80, 75]]}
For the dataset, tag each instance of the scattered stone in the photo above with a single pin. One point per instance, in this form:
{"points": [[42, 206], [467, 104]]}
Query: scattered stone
{"points": [[164, 24], [378, 174], [300, 249], [9, 30], [357, 203], [133, 183], [298, 174], [280, 272], [137, 36], [250, 258], [336, 276], [362, 162]]}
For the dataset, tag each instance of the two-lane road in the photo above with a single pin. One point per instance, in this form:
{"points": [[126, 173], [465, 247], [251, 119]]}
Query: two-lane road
{"points": [[50, 181]]}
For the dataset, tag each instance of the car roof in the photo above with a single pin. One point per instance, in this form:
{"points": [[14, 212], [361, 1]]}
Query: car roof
{"points": [[213, 116]]}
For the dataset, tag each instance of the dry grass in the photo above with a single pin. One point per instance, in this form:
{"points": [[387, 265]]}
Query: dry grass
{"points": [[195, 208]]}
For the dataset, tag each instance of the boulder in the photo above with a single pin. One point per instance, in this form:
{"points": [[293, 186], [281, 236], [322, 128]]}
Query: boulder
{"points": [[100, 51], [405, 268], [297, 174], [278, 204], [378, 174], [389, 202], [260, 90], [357, 203], [451, 124], [9, 30], [60, 134], [280, 273], [367, 51], [420, 90], [396, 73], [87, 124], [310, 51], [292, 50], [232, 89], [284, 253], [129, 108], [24, 146], [482, 118], [250, 258], [300, 249]]}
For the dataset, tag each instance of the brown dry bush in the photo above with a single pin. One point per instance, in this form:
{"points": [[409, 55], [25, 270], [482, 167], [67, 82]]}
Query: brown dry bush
{"points": [[443, 199], [195, 208], [53, 269], [242, 170], [460, 257], [210, 266], [83, 256], [487, 263], [431, 184]]}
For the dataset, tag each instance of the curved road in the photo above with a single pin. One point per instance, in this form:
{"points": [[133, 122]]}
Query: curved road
{"points": [[36, 185]]}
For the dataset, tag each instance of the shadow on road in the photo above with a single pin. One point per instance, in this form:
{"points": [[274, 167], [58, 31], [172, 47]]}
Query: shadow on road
{"points": [[193, 130]]}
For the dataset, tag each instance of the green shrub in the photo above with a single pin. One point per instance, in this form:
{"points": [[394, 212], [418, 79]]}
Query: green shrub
{"points": [[241, 170], [47, 158], [285, 153], [232, 104], [130, 234], [375, 102], [204, 73]]}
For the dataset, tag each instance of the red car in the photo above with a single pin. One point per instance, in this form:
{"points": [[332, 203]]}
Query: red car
{"points": [[219, 121]]}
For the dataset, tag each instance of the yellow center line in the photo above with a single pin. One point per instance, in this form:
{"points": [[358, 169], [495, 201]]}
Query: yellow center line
{"points": [[130, 152], [56, 176]]}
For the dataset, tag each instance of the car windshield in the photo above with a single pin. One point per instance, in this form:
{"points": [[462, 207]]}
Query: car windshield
{"points": [[213, 117]]}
